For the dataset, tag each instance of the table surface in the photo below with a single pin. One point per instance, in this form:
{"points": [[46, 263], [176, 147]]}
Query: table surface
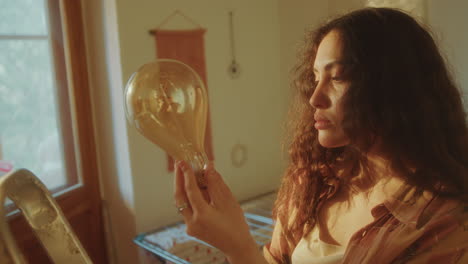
{"points": [[172, 244]]}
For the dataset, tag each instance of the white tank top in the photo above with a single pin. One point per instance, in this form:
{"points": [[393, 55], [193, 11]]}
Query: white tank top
{"points": [[311, 250]]}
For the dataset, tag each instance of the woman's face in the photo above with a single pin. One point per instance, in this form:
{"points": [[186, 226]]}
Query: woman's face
{"points": [[331, 84]]}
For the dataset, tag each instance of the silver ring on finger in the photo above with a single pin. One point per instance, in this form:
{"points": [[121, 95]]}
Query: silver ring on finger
{"points": [[182, 207]]}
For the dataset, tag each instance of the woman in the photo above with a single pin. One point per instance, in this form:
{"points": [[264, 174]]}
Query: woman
{"points": [[378, 168]]}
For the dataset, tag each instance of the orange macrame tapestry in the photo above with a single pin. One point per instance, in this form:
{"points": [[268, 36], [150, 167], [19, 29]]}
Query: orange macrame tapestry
{"points": [[188, 47]]}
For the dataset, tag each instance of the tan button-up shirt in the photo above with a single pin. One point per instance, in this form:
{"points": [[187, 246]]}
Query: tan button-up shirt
{"points": [[405, 230]]}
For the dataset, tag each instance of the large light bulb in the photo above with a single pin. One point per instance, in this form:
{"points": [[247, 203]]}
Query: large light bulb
{"points": [[167, 102]]}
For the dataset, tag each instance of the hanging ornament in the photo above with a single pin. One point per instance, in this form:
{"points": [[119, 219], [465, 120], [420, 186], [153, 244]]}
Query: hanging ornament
{"points": [[234, 68]]}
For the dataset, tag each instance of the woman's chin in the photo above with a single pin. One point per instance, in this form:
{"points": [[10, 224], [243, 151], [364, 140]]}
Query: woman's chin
{"points": [[332, 141]]}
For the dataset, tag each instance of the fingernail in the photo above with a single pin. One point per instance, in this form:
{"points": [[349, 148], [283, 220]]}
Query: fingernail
{"points": [[209, 165], [182, 164]]}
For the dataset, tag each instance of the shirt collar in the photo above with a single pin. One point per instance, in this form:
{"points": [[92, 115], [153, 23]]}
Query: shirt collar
{"points": [[412, 208]]}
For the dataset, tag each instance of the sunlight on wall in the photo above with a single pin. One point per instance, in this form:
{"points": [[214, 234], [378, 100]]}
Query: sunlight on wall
{"points": [[415, 7]]}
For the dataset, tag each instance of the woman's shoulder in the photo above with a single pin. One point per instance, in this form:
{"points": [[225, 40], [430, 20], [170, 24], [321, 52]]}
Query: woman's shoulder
{"points": [[418, 209], [422, 228], [443, 228]]}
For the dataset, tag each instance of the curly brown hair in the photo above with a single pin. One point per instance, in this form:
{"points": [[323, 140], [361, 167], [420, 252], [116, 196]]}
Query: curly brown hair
{"points": [[401, 94]]}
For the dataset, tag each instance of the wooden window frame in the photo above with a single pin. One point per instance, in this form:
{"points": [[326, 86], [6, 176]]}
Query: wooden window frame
{"points": [[75, 111]]}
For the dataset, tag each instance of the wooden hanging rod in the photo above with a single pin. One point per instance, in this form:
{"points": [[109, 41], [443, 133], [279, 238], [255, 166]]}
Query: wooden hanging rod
{"points": [[176, 12]]}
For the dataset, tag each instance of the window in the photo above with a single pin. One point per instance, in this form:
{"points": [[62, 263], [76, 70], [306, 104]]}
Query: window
{"points": [[34, 124], [45, 116]]}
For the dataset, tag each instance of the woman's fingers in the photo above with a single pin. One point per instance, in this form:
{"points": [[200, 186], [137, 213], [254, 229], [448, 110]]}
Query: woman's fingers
{"points": [[182, 202], [192, 190], [216, 187], [211, 222], [187, 192]]}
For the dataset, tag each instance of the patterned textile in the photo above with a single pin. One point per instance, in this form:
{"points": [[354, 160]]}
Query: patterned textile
{"points": [[428, 229], [172, 245]]}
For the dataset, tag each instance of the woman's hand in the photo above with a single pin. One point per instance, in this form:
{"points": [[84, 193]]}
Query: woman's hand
{"points": [[216, 218]]}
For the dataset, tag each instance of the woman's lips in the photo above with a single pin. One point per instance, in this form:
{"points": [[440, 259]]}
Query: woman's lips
{"points": [[322, 124]]}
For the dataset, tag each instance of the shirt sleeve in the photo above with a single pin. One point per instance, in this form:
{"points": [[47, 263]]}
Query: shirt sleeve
{"points": [[268, 256], [273, 250], [451, 248]]}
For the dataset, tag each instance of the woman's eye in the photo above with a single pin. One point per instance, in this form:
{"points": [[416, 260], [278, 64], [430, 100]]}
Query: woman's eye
{"points": [[337, 79]]}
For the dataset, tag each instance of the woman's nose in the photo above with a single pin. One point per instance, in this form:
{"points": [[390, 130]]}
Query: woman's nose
{"points": [[319, 98]]}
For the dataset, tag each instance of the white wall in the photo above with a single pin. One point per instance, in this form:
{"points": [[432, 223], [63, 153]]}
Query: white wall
{"points": [[296, 18], [105, 73], [248, 110], [339, 7], [448, 20]]}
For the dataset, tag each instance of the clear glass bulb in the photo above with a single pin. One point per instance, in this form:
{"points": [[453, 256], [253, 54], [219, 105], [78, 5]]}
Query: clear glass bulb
{"points": [[167, 102]]}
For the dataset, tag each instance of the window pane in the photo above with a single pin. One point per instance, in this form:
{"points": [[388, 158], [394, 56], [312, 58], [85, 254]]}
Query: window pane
{"points": [[22, 17], [29, 130]]}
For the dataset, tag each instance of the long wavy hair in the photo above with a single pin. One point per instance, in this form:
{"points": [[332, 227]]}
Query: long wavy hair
{"points": [[401, 94]]}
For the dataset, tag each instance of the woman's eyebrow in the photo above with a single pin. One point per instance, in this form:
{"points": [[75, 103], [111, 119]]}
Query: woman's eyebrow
{"points": [[331, 65]]}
